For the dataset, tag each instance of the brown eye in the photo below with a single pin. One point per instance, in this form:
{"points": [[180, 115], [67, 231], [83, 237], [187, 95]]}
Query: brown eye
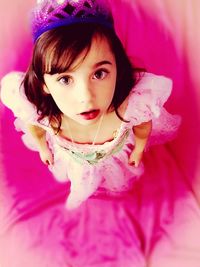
{"points": [[100, 74], [65, 80]]}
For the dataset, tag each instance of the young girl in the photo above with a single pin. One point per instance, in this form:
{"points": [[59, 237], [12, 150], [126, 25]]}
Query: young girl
{"points": [[82, 105]]}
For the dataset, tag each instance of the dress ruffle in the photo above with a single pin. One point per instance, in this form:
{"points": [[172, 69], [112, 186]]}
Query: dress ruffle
{"points": [[12, 95], [146, 103], [92, 169], [148, 97]]}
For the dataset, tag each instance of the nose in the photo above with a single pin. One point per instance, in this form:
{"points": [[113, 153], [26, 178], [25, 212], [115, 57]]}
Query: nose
{"points": [[84, 91]]}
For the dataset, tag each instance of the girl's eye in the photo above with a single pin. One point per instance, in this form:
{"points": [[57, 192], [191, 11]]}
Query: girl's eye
{"points": [[100, 74], [65, 80]]}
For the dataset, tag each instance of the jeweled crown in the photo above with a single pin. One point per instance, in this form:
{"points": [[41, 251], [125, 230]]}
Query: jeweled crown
{"points": [[50, 14]]}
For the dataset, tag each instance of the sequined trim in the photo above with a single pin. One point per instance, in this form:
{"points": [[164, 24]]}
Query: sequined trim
{"points": [[50, 14]]}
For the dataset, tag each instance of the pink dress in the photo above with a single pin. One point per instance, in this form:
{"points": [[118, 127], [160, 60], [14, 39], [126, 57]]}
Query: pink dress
{"points": [[115, 213], [97, 169]]}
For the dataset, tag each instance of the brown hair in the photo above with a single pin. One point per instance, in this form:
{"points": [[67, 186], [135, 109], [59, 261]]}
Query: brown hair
{"points": [[55, 51]]}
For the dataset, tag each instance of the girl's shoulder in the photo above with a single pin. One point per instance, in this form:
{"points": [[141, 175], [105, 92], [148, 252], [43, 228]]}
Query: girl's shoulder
{"points": [[147, 97], [13, 96]]}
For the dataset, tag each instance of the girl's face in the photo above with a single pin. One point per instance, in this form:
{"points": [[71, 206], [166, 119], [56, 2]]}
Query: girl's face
{"points": [[85, 91]]}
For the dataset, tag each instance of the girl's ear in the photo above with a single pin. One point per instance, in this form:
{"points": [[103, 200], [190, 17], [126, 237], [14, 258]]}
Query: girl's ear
{"points": [[45, 88]]}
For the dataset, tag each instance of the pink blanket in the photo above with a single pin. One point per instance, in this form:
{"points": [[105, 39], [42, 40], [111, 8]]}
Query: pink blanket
{"points": [[164, 222]]}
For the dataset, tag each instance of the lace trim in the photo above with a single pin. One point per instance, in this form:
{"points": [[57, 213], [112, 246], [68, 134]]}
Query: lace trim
{"points": [[95, 157]]}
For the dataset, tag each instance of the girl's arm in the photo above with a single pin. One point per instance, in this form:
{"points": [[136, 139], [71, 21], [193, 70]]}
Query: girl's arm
{"points": [[141, 134], [39, 136]]}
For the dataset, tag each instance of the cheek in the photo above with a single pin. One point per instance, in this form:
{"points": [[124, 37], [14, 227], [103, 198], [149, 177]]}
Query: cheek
{"points": [[65, 106], [60, 99], [60, 95], [57, 98], [107, 96], [112, 88]]}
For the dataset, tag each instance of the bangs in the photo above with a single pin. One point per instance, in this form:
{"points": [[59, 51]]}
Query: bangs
{"points": [[59, 48], [60, 59]]}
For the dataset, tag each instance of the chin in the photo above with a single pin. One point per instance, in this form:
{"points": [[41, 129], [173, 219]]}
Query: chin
{"points": [[88, 122]]}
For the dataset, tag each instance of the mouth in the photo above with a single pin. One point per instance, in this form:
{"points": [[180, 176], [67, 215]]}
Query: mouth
{"points": [[90, 115]]}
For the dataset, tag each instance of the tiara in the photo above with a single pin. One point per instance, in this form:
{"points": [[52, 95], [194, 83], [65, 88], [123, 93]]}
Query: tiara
{"points": [[50, 14]]}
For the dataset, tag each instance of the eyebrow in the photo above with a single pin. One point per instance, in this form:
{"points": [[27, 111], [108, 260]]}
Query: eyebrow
{"points": [[103, 62], [96, 65]]}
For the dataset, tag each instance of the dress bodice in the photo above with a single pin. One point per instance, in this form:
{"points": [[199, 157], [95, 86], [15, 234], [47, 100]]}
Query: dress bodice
{"points": [[87, 167]]}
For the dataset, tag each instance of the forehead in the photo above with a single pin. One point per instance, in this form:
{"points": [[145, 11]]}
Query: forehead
{"points": [[99, 50], [100, 46], [62, 56]]}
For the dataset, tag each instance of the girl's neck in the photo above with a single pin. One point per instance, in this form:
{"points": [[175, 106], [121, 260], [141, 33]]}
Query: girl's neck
{"points": [[75, 126], [86, 133], [99, 132]]}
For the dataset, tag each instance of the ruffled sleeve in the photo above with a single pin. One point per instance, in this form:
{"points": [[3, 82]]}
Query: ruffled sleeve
{"points": [[12, 96], [147, 98]]}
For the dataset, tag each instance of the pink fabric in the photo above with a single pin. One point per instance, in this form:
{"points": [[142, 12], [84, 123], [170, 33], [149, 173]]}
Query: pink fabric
{"points": [[158, 225], [102, 166]]}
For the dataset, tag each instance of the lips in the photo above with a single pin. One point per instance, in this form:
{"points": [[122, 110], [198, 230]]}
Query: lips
{"points": [[90, 115]]}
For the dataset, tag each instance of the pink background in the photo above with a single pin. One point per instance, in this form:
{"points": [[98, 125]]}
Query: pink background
{"points": [[162, 36]]}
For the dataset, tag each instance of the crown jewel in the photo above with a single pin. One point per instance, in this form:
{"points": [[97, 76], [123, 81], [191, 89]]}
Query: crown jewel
{"points": [[50, 14]]}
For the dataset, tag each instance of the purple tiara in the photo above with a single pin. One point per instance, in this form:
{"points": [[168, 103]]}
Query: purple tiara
{"points": [[50, 14]]}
